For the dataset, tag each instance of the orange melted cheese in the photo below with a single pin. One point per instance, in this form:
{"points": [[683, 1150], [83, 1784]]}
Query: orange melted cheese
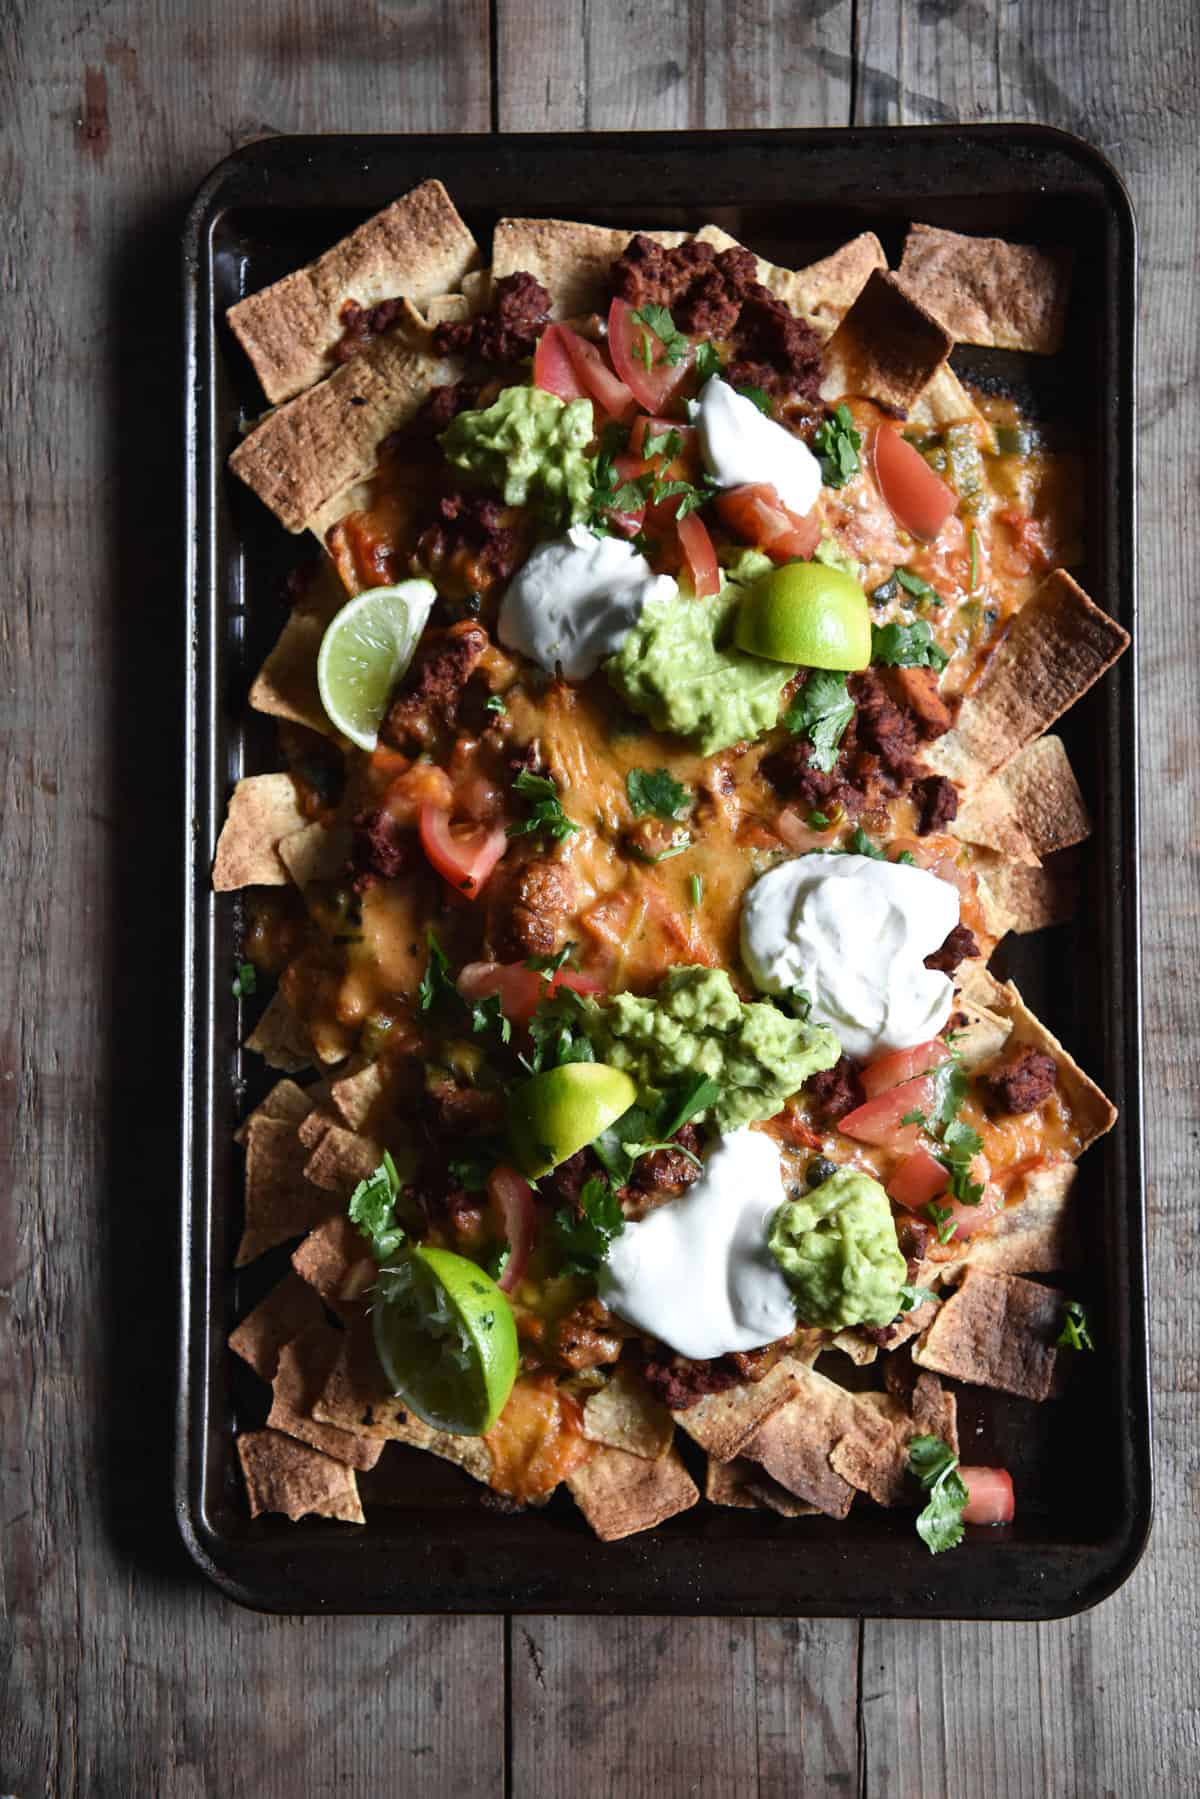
{"points": [[537, 1439]]}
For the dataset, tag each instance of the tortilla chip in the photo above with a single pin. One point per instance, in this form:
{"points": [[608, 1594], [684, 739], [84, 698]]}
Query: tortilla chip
{"points": [[1033, 1234], [983, 1036], [988, 817], [317, 853], [620, 1494], [1015, 898], [280, 1202], [823, 292], [417, 247], [446, 309], [477, 289], [1045, 796], [322, 1118], [288, 1309], [262, 809], [303, 1369], [361, 1099], [1056, 646], [1092, 1113], [625, 1414], [945, 401], [722, 1423], [794, 1444], [334, 1259], [728, 1483], [280, 1038], [997, 1331], [355, 1396], [342, 1159], [285, 1476], [286, 684], [860, 1349], [571, 261], [300, 457], [986, 291], [285, 1101], [887, 348]]}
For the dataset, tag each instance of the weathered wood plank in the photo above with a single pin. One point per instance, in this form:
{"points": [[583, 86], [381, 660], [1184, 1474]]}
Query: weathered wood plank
{"points": [[1067, 1708]]}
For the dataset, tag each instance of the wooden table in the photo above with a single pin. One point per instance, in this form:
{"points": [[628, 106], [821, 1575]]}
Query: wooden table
{"points": [[125, 1675]]}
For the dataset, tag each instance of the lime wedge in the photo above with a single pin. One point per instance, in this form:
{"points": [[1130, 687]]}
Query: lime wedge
{"points": [[365, 650], [446, 1340], [552, 1115], [807, 613]]}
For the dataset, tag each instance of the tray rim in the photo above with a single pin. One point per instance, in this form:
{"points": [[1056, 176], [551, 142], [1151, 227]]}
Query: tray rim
{"points": [[243, 178]]}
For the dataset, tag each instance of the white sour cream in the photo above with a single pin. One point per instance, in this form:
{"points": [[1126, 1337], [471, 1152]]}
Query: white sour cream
{"points": [[740, 446], [697, 1272], [854, 934], [575, 599]]}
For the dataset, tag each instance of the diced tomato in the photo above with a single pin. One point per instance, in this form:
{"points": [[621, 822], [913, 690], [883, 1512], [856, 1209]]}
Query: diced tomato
{"points": [[608, 390], [989, 1496], [631, 344], [699, 554], [902, 1065], [553, 369], [919, 1178], [758, 515], [521, 989], [878, 1121], [464, 854], [967, 1220], [917, 499], [512, 1201], [682, 463], [420, 784]]}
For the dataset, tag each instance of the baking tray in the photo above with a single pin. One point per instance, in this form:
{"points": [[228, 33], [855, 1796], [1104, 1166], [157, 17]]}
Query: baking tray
{"points": [[1082, 1465]]}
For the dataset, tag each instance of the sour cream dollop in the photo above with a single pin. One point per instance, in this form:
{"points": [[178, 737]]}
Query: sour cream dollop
{"points": [[853, 933], [741, 446], [697, 1272], [575, 599]]}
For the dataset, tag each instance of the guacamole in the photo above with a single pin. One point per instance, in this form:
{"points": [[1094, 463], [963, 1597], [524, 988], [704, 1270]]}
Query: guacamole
{"points": [[837, 1246], [696, 1024], [531, 446], [675, 669]]}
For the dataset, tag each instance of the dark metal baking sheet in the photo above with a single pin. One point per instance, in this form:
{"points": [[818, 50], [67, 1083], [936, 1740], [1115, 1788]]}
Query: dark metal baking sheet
{"points": [[433, 1541]]}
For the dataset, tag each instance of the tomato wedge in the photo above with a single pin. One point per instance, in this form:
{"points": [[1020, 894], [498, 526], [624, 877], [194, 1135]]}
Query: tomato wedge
{"points": [[900, 1065], [757, 515], [916, 497], [608, 390], [919, 1178], [553, 370], [989, 1496], [511, 1199], [464, 854], [631, 345], [699, 554], [879, 1120], [521, 989]]}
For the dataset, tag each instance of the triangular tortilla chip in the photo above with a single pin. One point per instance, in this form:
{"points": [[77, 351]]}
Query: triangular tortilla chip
{"points": [[860, 1349], [988, 817], [1045, 796], [280, 1038], [996, 1331], [286, 684], [361, 1099], [624, 1414], [982, 1037], [793, 1445], [620, 1494], [335, 1261], [284, 1101], [280, 1202], [571, 261], [316, 853], [824, 291], [303, 1369], [288, 1309], [1057, 645], [886, 349], [304, 454], [1014, 897], [987, 291], [1033, 1234], [723, 1422], [341, 1160], [477, 289], [262, 809], [417, 247], [875, 1461], [446, 309], [355, 1396], [285, 1476], [945, 401]]}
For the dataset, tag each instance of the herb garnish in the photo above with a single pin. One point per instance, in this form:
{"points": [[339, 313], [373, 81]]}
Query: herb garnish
{"points": [[837, 444], [654, 791], [436, 982], [707, 363], [488, 1015], [674, 344], [245, 981], [1075, 1333], [757, 396], [907, 646], [372, 1208], [918, 587], [584, 1237], [973, 540], [695, 890], [911, 1297], [554, 1033], [935, 1465], [495, 703], [645, 1128], [822, 709], [546, 817]]}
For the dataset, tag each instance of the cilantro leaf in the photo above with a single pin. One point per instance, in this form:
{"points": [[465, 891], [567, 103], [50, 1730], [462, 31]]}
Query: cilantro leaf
{"points": [[584, 1237], [667, 444], [837, 444], [949, 1091], [918, 587], [935, 1465], [958, 1145], [550, 965], [942, 1220], [489, 1015], [437, 982], [859, 844], [1075, 1333], [682, 1102], [695, 890], [757, 396], [654, 791], [245, 981], [822, 709], [636, 1150], [707, 363], [907, 646], [673, 343], [372, 1208], [911, 1297], [495, 703], [546, 816], [555, 1035]]}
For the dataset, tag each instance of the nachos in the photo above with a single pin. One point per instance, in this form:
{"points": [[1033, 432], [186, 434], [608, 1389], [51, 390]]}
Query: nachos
{"points": [[666, 729]]}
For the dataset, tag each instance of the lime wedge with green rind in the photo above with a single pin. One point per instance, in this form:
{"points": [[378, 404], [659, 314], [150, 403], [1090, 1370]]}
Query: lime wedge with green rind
{"points": [[552, 1115], [366, 648], [445, 1338], [806, 613]]}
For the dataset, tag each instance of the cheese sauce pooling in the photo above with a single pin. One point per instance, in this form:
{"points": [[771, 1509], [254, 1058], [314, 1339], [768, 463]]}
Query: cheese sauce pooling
{"points": [[853, 933], [697, 1272]]}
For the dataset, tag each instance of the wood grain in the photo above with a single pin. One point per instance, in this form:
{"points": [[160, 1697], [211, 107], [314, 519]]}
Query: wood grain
{"points": [[120, 1673]]}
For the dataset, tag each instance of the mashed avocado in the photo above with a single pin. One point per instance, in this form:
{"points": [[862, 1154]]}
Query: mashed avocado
{"points": [[674, 669], [837, 1246], [828, 552], [696, 1024], [529, 445]]}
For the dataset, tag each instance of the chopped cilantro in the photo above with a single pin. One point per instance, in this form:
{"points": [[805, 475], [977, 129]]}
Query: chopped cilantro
{"points": [[837, 444], [907, 646], [819, 821], [667, 444], [859, 844], [654, 791], [935, 1465], [822, 709], [546, 817], [684, 1100], [912, 1297], [949, 1091], [554, 1033], [695, 890], [643, 1128], [707, 363], [550, 965], [942, 1220], [799, 1003], [680, 840], [245, 981], [1075, 1333], [495, 703], [757, 396], [584, 1236], [959, 1144], [918, 587], [436, 982], [372, 1208], [488, 1015], [634, 1150], [973, 540], [673, 343]]}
